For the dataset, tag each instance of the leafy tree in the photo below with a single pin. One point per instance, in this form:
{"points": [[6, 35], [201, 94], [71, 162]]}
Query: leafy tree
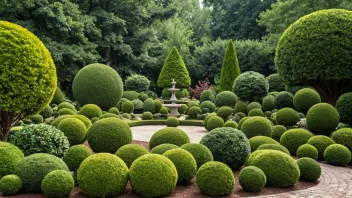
{"points": [[230, 69]]}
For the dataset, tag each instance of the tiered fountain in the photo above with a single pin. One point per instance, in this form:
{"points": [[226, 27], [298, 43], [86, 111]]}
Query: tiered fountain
{"points": [[173, 106]]}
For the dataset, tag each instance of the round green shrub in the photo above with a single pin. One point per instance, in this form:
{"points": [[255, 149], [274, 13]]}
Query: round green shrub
{"points": [[193, 103], [182, 109], [97, 84], [36, 119], [294, 138], [149, 105], [344, 107], [253, 105], [241, 106], [214, 122], [309, 168], [276, 83], [287, 117], [108, 115], [102, 168], [32, 169], [108, 135], [284, 99], [156, 168], [257, 126], [256, 112], [147, 116], [130, 95], [240, 115], [94, 119], [343, 136], [205, 122], [47, 112], [208, 105], [84, 119], [59, 97], [200, 153], [163, 110], [142, 97], [240, 123], [157, 104], [320, 142], [231, 124], [113, 110], [277, 147], [256, 141], [278, 130], [127, 107], [66, 111], [136, 82], [337, 154], [58, 183], [75, 155], [162, 148], [10, 155], [90, 111], [67, 105], [184, 162], [225, 98], [250, 85], [10, 184], [169, 135], [227, 145], [322, 119], [130, 152], [224, 112], [268, 103], [74, 129], [305, 98], [254, 154], [207, 95], [307, 150], [215, 179], [252, 179], [125, 116], [172, 122], [151, 94], [193, 112]]}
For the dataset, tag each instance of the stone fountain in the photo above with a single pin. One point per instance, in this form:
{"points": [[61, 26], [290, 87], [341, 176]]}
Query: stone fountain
{"points": [[173, 106]]}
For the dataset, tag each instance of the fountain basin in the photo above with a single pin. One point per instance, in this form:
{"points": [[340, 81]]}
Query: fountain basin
{"points": [[173, 108]]}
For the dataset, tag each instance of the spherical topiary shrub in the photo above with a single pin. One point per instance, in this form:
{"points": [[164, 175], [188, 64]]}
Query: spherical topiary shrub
{"points": [[10, 156], [172, 122], [287, 117], [205, 121], [184, 162], [320, 142], [142, 97], [240, 123], [75, 155], [250, 85], [138, 105], [182, 110], [156, 168], [241, 106], [149, 105], [224, 112], [169, 135], [113, 110], [268, 103], [309, 168], [305, 98], [294, 138], [127, 107], [322, 119], [136, 82], [208, 105], [67, 105], [66, 111], [130, 152], [280, 169], [97, 84], [193, 112], [164, 111], [207, 95], [162, 148], [102, 168], [200, 153], [256, 112], [10, 184], [337, 154], [253, 105], [257, 126], [253, 155], [276, 83], [307, 150], [252, 179], [32, 169], [108, 135], [278, 130], [344, 107], [90, 111], [36, 119], [147, 115], [227, 145], [214, 122], [215, 179], [193, 103], [57, 183], [74, 129], [83, 118], [256, 141], [130, 95], [225, 98], [108, 115], [47, 112], [277, 147], [284, 99], [231, 124], [343, 136], [157, 104]]}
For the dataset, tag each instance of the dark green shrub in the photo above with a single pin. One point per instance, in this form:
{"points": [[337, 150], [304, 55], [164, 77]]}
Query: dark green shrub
{"points": [[214, 122], [307, 150], [75, 155], [207, 118], [136, 82], [250, 85], [156, 168], [172, 122], [215, 179], [193, 103], [309, 168], [320, 142], [240, 115], [113, 110], [343, 136], [130, 95], [66, 111], [151, 94], [108, 135], [287, 117], [276, 83], [47, 112], [322, 119], [337, 154], [240, 123], [182, 109], [224, 112], [138, 105], [36, 119], [268, 103], [200, 153], [344, 107], [252, 179], [127, 107], [130, 152], [225, 98], [278, 130], [58, 183], [74, 129], [66, 105], [227, 145], [59, 97], [147, 116], [207, 95], [241, 106], [169, 135], [277, 147], [230, 69], [149, 105], [256, 112], [102, 168], [208, 105], [10, 184], [109, 115], [10, 155], [253, 105], [162, 148], [305, 98], [164, 111], [257, 126], [284, 99], [256, 141], [193, 112], [158, 105], [294, 138], [231, 124]]}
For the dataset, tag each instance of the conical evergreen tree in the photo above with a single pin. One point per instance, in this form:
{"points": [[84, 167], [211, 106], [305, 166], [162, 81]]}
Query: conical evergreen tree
{"points": [[230, 68], [174, 68]]}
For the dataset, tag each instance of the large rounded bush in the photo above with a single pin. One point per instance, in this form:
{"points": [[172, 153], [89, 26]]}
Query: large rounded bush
{"points": [[276, 83], [225, 98], [10, 156], [241, 106], [75, 155], [193, 112], [172, 122], [252, 179], [58, 183], [257, 126], [287, 117], [322, 119], [210, 106], [294, 138], [307, 150], [268, 103], [277, 147], [32, 169], [207, 95], [74, 129], [344, 107], [97, 84], [227, 145], [156, 168], [91, 111], [215, 179], [343, 136], [305, 98], [130, 152], [320, 142], [136, 82], [224, 112], [200, 153], [284, 99], [169, 135], [127, 107], [10, 184], [337, 154], [250, 85], [214, 122], [102, 168], [149, 105], [278, 130], [256, 141], [309, 168], [162, 148], [108, 135]]}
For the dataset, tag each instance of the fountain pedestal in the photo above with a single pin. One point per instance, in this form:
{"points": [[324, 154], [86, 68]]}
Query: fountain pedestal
{"points": [[173, 106]]}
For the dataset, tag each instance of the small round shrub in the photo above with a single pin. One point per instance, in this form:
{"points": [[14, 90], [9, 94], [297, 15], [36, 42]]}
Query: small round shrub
{"points": [[151, 94], [182, 110], [164, 111], [241, 106], [337, 154], [287, 117], [136, 82], [184, 162], [208, 105], [59, 97], [344, 107], [240, 115], [90, 111], [113, 110], [162, 148], [138, 105], [257, 126], [149, 105], [102, 168], [10, 184], [225, 98], [256, 112], [200, 153], [322, 119], [193, 104], [94, 119], [156, 168], [125, 116], [130, 152], [294, 138], [172, 122], [130, 95], [277, 147], [215, 179], [253, 105], [58, 183], [256, 141], [250, 85], [305, 98], [207, 95], [169, 135], [66, 111], [276, 83], [240, 123], [127, 107], [307, 150], [108, 115], [284, 99], [166, 94], [36, 119], [10, 156], [142, 97], [75, 155], [214, 122], [309, 168], [74, 129], [205, 122], [47, 112], [193, 112], [227, 145], [66, 105], [224, 112], [147, 115], [320, 142], [231, 124], [84, 119], [252, 179], [108, 135], [268, 103], [278, 130], [343, 136], [158, 104], [32, 169]]}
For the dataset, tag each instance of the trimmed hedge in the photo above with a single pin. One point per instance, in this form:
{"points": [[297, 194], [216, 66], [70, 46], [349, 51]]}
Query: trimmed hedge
{"points": [[305, 98], [58, 183], [287, 117], [250, 85], [200, 153], [91, 111], [256, 112], [343, 136], [10, 184], [253, 105], [337, 154], [193, 112], [225, 98], [307, 150], [320, 142], [162, 148], [207, 95], [294, 138], [322, 119], [257, 126], [75, 155], [276, 83], [256, 141], [309, 168], [252, 179], [169, 135], [10, 156], [224, 112], [130, 152], [127, 107], [210, 106], [344, 107]]}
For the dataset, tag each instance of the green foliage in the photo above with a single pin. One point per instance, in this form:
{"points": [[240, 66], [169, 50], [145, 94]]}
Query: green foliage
{"points": [[162, 148], [294, 138], [58, 183], [277, 147], [284, 99], [305, 98], [172, 122], [227, 145], [322, 119], [225, 98], [224, 112], [108, 135], [343, 136], [149, 105], [257, 126], [169, 135], [193, 103], [164, 111], [75, 155], [213, 122], [257, 141], [231, 124], [344, 107], [253, 105], [136, 82], [230, 69], [74, 129], [156, 168], [157, 104], [66, 111], [207, 106], [127, 107], [91, 111], [200, 153], [268, 103], [307, 150], [166, 94], [58, 97], [287, 117], [143, 97], [10, 156], [309, 168], [46, 113], [207, 118], [84, 119], [147, 115], [130, 152], [252, 179], [109, 115], [256, 112], [113, 110], [250, 85], [36, 119], [320, 142], [240, 123], [67, 105], [337, 154], [207, 95], [278, 130], [241, 106], [130, 95], [276, 83], [215, 179], [10, 184], [193, 112], [151, 94]]}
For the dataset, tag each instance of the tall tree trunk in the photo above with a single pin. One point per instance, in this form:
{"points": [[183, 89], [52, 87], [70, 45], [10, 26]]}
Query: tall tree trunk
{"points": [[7, 120]]}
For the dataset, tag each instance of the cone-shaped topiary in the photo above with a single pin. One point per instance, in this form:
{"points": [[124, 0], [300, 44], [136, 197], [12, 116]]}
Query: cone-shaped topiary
{"points": [[10, 155], [252, 179], [75, 155], [230, 69], [58, 183], [130, 152], [174, 68], [10, 184]]}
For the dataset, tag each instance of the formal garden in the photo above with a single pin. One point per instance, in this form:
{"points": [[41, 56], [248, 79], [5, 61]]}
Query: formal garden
{"points": [[256, 135]]}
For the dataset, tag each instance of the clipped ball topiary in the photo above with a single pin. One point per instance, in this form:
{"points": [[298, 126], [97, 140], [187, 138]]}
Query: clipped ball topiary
{"points": [[149, 105], [127, 107], [208, 105], [215, 179], [113, 110], [322, 119], [130, 95], [10, 184], [256, 141], [214, 122], [309, 168], [287, 117], [130, 152], [284, 99], [164, 111], [241, 106], [156, 168], [343, 136], [278, 130], [74, 129], [205, 122], [136, 82], [337, 154], [75, 155], [224, 112], [10, 156], [250, 85], [344, 107], [147, 115], [169, 135], [162, 148], [102, 168], [305, 98], [58, 183], [207, 95], [193, 112], [200, 153], [268, 103], [320, 142], [276, 83], [240, 123], [66, 111], [231, 124], [257, 126], [47, 112], [59, 97], [172, 122], [225, 98], [91, 111], [157, 104], [67, 105], [277, 147], [253, 105], [227, 145], [108, 135], [108, 115], [307, 150], [252, 179], [36, 119], [182, 109], [294, 138], [256, 112]]}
